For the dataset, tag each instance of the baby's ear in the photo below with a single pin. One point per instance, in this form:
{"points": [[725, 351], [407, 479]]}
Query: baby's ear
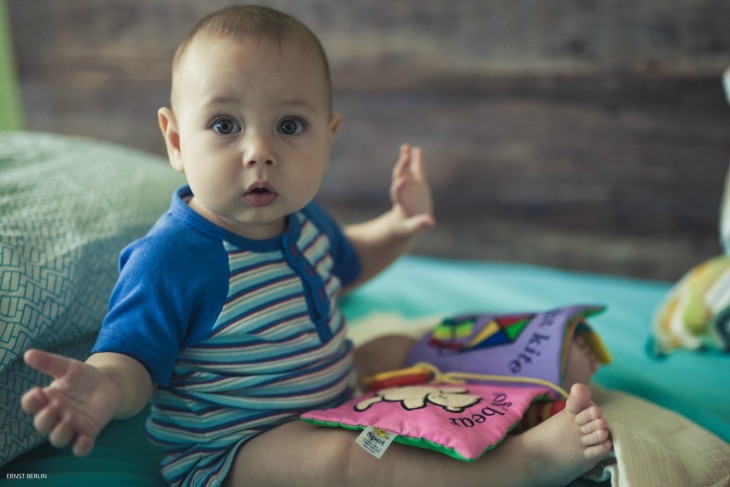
{"points": [[335, 120], [171, 134]]}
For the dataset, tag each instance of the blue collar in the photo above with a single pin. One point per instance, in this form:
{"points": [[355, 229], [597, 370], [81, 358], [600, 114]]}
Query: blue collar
{"points": [[180, 209]]}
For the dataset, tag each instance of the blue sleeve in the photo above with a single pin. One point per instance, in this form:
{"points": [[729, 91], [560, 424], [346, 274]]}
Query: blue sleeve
{"points": [[169, 293], [347, 265]]}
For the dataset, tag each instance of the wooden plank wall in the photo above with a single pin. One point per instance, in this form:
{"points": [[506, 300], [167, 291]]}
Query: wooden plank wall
{"points": [[582, 134]]}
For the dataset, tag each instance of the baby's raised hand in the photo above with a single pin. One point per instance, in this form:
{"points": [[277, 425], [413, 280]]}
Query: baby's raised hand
{"points": [[75, 406], [410, 192]]}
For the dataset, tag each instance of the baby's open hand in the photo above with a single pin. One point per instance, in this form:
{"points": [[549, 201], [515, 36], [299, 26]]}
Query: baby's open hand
{"points": [[410, 192], [73, 408]]}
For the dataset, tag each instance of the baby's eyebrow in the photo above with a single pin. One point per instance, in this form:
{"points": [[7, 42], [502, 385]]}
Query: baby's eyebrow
{"points": [[289, 103], [222, 100], [295, 103]]}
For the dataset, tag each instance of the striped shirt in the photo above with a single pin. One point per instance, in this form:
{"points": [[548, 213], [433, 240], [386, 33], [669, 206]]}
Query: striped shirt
{"points": [[241, 335]]}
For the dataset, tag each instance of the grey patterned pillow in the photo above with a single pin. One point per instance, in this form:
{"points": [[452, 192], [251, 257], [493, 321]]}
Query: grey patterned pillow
{"points": [[67, 207]]}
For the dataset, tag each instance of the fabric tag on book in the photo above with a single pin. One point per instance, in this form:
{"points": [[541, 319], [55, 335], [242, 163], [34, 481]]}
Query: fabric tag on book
{"points": [[375, 440]]}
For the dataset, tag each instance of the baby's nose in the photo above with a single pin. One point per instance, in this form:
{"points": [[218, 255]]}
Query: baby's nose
{"points": [[259, 152], [254, 161]]}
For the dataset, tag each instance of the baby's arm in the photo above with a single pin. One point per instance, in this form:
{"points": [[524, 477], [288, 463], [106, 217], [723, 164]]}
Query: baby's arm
{"points": [[84, 397], [380, 241]]}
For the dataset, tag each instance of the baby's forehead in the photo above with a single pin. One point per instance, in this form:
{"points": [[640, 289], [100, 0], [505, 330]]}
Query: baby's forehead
{"points": [[199, 49], [206, 42]]}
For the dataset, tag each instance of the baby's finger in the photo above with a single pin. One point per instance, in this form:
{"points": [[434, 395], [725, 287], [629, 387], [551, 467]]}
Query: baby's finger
{"points": [[398, 190], [404, 159], [46, 419], [62, 434], [417, 164], [34, 400], [83, 445], [48, 363]]}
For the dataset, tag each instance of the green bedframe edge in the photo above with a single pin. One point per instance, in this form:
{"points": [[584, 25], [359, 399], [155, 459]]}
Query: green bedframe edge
{"points": [[11, 115]]}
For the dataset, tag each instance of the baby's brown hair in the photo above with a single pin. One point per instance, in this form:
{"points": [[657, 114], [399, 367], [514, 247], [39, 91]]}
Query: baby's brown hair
{"points": [[239, 22]]}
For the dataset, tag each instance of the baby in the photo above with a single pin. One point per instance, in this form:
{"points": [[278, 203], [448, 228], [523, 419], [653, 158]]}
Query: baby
{"points": [[225, 314]]}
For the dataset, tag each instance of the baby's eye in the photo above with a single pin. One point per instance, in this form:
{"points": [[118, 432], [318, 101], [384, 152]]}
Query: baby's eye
{"points": [[292, 126], [225, 126]]}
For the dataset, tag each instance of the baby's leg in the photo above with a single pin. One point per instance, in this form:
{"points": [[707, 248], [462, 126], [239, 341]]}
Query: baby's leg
{"points": [[582, 363], [553, 453]]}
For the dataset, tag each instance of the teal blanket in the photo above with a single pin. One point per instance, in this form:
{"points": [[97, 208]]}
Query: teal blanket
{"points": [[696, 385]]}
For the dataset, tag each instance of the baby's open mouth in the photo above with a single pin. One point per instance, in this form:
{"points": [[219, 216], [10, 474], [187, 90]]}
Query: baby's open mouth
{"points": [[260, 195]]}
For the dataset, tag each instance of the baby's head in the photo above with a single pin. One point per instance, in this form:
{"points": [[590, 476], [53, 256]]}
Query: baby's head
{"points": [[251, 122]]}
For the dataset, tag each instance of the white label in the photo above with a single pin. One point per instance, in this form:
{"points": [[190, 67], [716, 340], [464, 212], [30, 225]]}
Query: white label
{"points": [[375, 441]]}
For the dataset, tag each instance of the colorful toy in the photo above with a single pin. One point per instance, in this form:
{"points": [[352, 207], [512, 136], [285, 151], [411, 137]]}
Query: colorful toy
{"points": [[462, 422], [695, 314], [514, 347], [469, 382]]}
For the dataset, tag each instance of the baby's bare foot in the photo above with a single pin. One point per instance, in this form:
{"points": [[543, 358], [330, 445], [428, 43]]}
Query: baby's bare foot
{"points": [[570, 443]]}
